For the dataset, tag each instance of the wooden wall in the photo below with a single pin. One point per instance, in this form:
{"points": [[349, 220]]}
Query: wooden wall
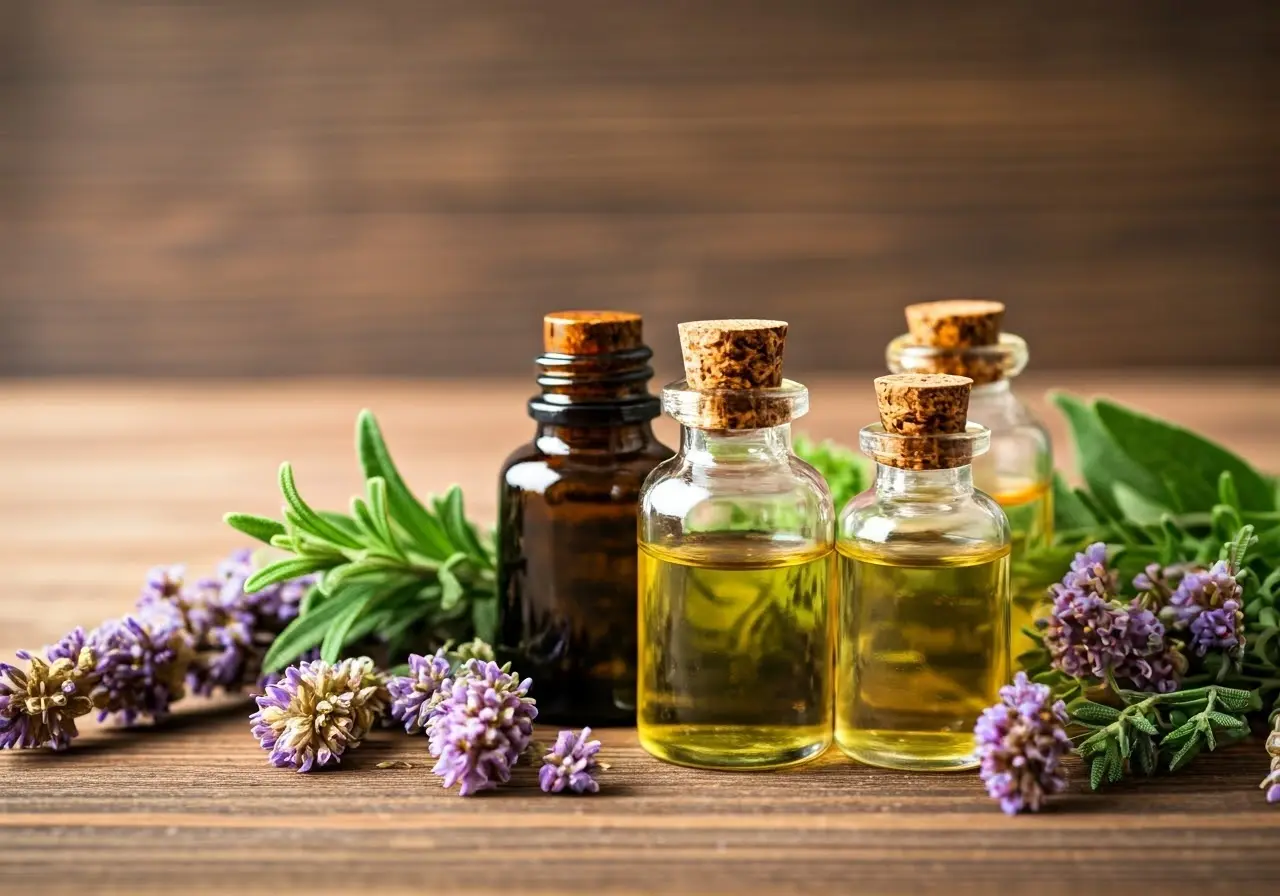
{"points": [[246, 188]]}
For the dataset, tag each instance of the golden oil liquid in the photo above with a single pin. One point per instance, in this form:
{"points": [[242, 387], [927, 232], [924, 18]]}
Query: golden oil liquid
{"points": [[736, 651], [923, 649], [1029, 508]]}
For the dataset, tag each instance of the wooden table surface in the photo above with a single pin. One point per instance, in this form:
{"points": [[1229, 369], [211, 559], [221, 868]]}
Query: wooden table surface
{"points": [[101, 481]]}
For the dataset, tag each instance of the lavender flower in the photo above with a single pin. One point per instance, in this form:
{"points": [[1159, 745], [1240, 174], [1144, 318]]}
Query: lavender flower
{"points": [[1090, 634], [1020, 743], [571, 765], [230, 630], [1208, 605], [1271, 783], [141, 664], [481, 727], [39, 707], [318, 711], [69, 647], [414, 697]]}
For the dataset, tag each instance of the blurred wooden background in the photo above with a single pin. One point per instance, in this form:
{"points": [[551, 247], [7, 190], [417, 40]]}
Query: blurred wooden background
{"points": [[402, 188]]}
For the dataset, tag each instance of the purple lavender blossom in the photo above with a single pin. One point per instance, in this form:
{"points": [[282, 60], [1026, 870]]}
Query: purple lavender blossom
{"points": [[1020, 743], [230, 630], [1271, 783], [39, 707], [1090, 634], [414, 697], [571, 765], [141, 664], [69, 647], [1208, 605], [481, 727], [315, 713]]}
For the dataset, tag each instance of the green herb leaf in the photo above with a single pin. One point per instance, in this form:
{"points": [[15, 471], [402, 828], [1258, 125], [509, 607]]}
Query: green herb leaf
{"points": [[1190, 464], [1101, 461], [285, 570], [258, 527]]}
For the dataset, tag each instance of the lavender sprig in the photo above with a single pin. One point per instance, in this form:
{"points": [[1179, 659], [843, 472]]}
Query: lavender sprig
{"points": [[1021, 742], [39, 706], [1271, 783], [571, 765], [415, 697], [141, 665], [481, 727], [1091, 634], [317, 711]]}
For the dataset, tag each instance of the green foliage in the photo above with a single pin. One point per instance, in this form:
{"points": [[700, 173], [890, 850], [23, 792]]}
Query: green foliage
{"points": [[393, 568], [1149, 732], [847, 472]]}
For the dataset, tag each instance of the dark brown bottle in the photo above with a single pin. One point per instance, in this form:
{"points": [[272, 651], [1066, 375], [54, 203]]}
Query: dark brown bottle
{"points": [[567, 519]]}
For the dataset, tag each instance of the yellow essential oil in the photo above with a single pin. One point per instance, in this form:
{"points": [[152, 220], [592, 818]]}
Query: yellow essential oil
{"points": [[923, 650], [966, 337], [924, 559], [735, 653], [737, 561]]}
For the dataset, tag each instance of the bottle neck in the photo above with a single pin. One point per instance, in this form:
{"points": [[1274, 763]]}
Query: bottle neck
{"points": [[999, 388], [607, 389], [895, 482], [624, 438], [769, 446]]}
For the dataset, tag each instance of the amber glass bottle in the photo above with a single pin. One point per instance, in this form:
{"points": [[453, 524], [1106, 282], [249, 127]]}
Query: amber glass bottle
{"points": [[567, 519]]}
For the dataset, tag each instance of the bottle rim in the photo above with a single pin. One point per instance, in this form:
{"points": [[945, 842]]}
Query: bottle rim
{"points": [[947, 450], [705, 409], [1007, 358]]}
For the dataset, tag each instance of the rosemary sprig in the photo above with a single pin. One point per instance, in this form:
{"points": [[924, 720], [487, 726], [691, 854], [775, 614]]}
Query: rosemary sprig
{"points": [[1152, 731], [394, 569]]}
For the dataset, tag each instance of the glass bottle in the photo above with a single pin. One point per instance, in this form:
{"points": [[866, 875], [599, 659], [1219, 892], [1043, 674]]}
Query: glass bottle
{"points": [[736, 566], [924, 585], [963, 337], [567, 519]]}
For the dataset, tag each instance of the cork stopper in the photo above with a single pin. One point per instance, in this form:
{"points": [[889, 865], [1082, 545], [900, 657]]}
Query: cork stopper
{"points": [[922, 410], [731, 361], [591, 332], [955, 323]]}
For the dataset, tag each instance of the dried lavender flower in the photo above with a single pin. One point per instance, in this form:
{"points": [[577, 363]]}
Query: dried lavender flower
{"points": [[414, 697], [317, 711], [481, 727], [1271, 783], [1020, 743], [571, 765], [39, 707], [141, 665]]}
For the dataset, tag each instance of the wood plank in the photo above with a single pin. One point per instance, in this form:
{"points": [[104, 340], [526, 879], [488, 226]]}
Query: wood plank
{"points": [[104, 479]]}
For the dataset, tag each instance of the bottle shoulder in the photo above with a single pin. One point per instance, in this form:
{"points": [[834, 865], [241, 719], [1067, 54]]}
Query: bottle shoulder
{"points": [[974, 519]]}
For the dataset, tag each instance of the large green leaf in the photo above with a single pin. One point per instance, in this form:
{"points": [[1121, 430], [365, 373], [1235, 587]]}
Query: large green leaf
{"points": [[1188, 464], [1101, 461]]}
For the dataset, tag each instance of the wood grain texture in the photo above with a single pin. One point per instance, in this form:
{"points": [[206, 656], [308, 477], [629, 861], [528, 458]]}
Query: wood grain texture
{"points": [[104, 479], [403, 188]]}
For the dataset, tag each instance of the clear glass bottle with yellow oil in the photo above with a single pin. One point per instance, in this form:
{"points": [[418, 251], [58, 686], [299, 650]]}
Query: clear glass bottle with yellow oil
{"points": [[736, 538], [964, 337], [923, 643]]}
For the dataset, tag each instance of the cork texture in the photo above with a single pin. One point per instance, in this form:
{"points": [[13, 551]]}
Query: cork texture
{"points": [[955, 323], [733, 354], [731, 360], [591, 332], [920, 407]]}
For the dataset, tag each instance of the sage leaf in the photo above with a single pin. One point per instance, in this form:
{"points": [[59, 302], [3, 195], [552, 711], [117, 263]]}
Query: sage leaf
{"points": [[1101, 461], [1189, 463]]}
